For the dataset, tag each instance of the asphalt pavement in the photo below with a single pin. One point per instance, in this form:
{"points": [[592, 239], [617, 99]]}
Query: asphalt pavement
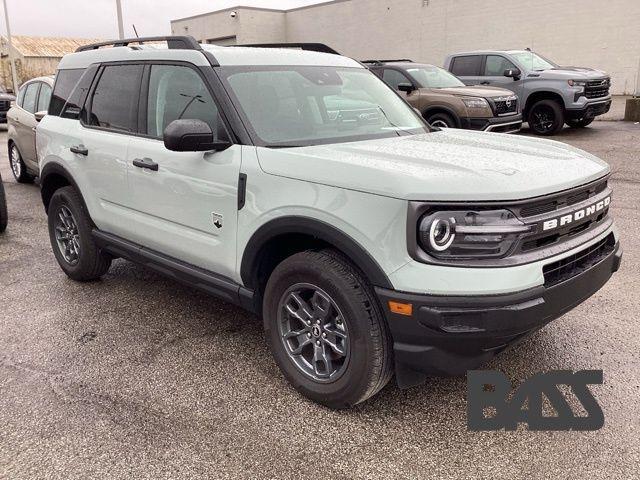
{"points": [[136, 376]]}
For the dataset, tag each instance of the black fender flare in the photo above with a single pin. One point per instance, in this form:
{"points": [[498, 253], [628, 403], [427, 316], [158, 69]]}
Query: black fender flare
{"points": [[449, 110], [318, 229], [48, 171]]}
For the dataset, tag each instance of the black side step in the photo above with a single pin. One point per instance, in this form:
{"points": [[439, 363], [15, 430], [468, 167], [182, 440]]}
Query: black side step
{"points": [[187, 274]]}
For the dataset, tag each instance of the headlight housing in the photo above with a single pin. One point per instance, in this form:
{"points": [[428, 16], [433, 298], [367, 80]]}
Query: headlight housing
{"points": [[475, 102], [469, 234], [577, 83]]}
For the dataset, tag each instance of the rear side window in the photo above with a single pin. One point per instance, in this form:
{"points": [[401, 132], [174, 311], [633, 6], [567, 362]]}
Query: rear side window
{"points": [[467, 66], [44, 98], [114, 103], [177, 92], [65, 82], [30, 96]]}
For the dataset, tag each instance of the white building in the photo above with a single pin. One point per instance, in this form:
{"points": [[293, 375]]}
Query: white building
{"points": [[590, 33]]}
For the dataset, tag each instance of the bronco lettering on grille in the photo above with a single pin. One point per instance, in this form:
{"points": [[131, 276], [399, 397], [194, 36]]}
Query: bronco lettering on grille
{"points": [[575, 216]]}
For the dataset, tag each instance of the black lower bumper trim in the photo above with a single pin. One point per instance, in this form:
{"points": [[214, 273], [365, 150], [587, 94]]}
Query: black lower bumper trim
{"points": [[450, 335], [590, 110]]}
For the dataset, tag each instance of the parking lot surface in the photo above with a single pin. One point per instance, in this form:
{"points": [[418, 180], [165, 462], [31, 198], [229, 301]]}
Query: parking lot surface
{"points": [[136, 376]]}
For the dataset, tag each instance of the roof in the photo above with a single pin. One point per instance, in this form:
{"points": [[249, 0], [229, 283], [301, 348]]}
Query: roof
{"points": [[487, 52], [46, 46], [226, 56]]}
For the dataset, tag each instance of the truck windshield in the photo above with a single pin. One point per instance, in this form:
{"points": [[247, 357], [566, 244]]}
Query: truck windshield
{"points": [[533, 61], [429, 76], [286, 106]]}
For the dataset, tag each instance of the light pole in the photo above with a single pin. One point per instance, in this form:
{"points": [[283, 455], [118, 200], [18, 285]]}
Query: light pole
{"points": [[12, 60], [120, 26]]}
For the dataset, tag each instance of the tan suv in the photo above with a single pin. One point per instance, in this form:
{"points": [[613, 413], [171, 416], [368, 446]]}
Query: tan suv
{"points": [[444, 101]]}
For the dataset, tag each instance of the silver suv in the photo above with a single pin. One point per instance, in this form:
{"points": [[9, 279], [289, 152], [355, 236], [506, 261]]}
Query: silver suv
{"points": [[551, 95], [369, 244]]}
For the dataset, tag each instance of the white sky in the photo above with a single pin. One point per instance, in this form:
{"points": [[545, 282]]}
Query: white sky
{"points": [[97, 18]]}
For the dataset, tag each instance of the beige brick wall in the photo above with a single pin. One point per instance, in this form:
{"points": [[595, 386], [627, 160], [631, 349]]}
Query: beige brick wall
{"points": [[591, 33]]}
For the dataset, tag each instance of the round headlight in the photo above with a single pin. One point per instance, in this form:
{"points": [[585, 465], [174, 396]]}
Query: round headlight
{"points": [[441, 234]]}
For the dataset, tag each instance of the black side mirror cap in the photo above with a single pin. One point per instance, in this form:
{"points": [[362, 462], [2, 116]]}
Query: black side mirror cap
{"points": [[512, 73], [40, 115], [406, 87], [185, 135]]}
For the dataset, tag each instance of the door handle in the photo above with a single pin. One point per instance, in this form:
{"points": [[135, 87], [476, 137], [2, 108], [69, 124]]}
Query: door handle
{"points": [[146, 163], [485, 83], [79, 149]]}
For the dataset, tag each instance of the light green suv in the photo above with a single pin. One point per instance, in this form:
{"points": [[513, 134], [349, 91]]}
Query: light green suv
{"points": [[299, 186]]}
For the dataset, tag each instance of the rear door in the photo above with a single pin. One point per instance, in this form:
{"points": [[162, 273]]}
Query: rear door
{"points": [[468, 68], [188, 207]]}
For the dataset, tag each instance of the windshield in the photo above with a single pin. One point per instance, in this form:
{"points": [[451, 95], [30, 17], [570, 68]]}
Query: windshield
{"points": [[301, 105], [429, 76], [533, 61]]}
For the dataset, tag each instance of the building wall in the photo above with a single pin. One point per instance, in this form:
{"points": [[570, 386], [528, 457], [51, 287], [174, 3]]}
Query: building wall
{"points": [[26, 69]]}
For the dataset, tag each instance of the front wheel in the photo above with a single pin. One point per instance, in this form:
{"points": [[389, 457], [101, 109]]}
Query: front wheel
{"points": [[325, 329], [546, 117], [583, 122]]}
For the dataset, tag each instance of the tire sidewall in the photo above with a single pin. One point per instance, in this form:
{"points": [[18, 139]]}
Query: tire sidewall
{"points": [[558, 120], [3, 208], [442, 117], [25, 176], [354, 380]]}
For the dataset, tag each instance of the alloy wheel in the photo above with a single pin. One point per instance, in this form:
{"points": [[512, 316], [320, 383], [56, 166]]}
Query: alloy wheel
{"points": [[67, 235], [439, 124], [314, 332], [16, 162], [543, 119]]}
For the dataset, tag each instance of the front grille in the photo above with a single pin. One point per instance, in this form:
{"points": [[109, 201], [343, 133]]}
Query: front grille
{"points": [[597, 88], [506, 106], [563, 270], [5, 105], [562, 201]]}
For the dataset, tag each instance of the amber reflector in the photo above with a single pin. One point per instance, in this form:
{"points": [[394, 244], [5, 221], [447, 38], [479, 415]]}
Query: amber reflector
{"points": [[400, 308]]}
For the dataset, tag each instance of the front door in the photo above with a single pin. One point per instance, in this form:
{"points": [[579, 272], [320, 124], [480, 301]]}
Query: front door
{"points": [[187, 208], [493, 74]]}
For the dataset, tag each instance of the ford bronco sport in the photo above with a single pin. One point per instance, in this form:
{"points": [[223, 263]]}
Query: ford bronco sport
{"points": [[370, 245], [551, 95], [445, 102]]}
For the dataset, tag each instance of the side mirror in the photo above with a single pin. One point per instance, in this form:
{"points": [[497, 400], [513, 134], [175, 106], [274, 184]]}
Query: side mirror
{"points": [[513, 73], [191, 136], [406, 87], [40, 115]]}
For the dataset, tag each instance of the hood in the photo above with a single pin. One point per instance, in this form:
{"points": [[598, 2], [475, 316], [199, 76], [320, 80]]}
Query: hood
{"points": [[476, 91], [7, 96], [570, 73], [447, 165]]}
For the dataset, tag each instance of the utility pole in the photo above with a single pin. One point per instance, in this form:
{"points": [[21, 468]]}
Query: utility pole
{"points": [[120, 24], [12, 60]]}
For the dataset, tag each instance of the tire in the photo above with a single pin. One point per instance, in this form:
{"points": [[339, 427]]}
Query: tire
{"points": [[3, 208], [18, 168], [546, 117], [441, 120], [366, 364], [580, 123], [67, 216]]}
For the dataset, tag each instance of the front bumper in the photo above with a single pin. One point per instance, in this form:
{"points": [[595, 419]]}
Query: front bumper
{"points": [[506, 124], [450, 335], [590, 110]]}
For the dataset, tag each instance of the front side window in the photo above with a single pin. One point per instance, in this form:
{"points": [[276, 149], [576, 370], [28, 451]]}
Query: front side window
{"points": [[177, 92], [114, 103], [44, 98], [65, 82], [495, 66], [429, 76], [393, 78], [308, 105], [533, 61], [30, 96], [467, 66]]}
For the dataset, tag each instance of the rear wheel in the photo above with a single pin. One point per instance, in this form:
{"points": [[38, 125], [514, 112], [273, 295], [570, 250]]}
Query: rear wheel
{"points": [[70, 235], [441, 120], [546, 117], [583, 122], [325, 329], [18, 168]]}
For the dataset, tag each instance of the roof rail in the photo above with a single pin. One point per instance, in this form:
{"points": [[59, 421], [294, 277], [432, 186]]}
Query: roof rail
{"points": [[174, 42], [380, 62], [311, 47]]}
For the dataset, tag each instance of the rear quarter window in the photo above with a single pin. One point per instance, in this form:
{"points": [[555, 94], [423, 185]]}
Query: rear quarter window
{"points": [[66, 80], [466, 66]]}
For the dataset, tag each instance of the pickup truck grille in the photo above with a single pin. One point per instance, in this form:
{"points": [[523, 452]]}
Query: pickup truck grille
{"points": [[597, 88], [562, 270], [505, 105]]}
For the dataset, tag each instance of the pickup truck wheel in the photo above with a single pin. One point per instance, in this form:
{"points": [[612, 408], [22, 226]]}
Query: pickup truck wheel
{"points": [[546, 117], [441, 120], [18, 168], [70, 234], [325, 329], [3, 208], [580, 123]]}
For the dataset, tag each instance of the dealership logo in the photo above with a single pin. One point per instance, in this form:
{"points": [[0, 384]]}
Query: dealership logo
{"points": [[576, 216], [490, 408]]}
